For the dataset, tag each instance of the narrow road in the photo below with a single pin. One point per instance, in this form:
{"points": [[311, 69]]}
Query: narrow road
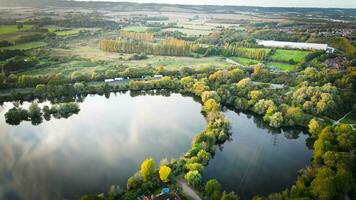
{"points": [[338, 121], [233, 62], [188, 190]]}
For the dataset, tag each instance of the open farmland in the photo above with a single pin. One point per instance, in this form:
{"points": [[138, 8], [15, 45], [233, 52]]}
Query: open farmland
{"points": [[282, 66], [8, 29], [26, 46], [67, 32], [136, 28], [287, 55]]}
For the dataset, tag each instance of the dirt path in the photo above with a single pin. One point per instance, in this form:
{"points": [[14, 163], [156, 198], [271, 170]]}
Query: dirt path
{"points": [[188, 190], [233, 62]]}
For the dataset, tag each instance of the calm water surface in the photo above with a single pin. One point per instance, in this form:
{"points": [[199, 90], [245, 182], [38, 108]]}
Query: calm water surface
{"points": [[103, 145], [106, 142], [258, 160]]}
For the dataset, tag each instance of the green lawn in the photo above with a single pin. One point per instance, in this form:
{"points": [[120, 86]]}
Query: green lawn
{"points": [[51, 30], [26, 46], [189, 31], [245, 61], [286, 55], [267, 50], [6, 29], [282, 66], [136, 28], [67, 33]]}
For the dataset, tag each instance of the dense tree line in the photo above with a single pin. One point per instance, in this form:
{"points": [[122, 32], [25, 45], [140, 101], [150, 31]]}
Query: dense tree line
{"points": [[35, 114], [145, 36], [169, 47]]}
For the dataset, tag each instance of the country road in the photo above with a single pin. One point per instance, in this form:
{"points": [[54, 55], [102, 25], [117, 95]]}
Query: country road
{"points": [[188, 190]]}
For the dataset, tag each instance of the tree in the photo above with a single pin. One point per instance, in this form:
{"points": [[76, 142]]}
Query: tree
{"points": [[229, 196], [193, 178], [203, 156], [244, 83], [262, 105], [195, 167], [2, 79], [79, 87], [164, 173], [211, 106], [213, 189], [134, 181], [15, 115], [314, 128], [210, 95], [276, 119], [187, 83], [19, 25], [40, 90], [147, 169], [346, 137], [34, 112], [323, 186]]}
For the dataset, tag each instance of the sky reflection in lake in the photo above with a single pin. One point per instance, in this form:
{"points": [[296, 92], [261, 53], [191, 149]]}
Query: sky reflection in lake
{"points": [[103, 145], [258, 160]]}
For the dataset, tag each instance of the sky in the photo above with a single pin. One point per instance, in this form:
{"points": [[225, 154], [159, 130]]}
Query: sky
{"points": [[265, 3]]}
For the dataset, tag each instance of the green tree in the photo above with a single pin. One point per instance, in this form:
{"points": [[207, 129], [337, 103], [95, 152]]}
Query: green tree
{"points": [[213, 189], [276, 119], [210, 95], [193, 178], [229, 196], [164, 173], [147, 169], [203, 156], [314, 127], [323, 186], [211, 106], [40, 90], [346, 137], [195, 167], [34, 111]]}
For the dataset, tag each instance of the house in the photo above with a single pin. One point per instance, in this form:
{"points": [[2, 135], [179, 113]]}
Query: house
{"points": [[119, 79], [330, 50], [158, 76], [109, 80]]}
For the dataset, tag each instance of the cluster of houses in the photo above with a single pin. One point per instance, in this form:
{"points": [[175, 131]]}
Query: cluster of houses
{"points": [[128, 78]]}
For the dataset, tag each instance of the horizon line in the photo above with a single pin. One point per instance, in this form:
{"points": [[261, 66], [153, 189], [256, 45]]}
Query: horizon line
{"points": [[197, 4]]}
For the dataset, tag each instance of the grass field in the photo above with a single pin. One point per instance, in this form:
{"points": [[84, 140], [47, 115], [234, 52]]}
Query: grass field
{"points": [[245, 61], [136, 28], [189, 31], [6, 29], [85, 66], [67, 33], [282, 66], [286, 55], [26, 46]]}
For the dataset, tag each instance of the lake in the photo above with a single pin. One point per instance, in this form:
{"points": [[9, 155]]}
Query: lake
{"points": [[103, 145], [106, 142], [258, 160]]}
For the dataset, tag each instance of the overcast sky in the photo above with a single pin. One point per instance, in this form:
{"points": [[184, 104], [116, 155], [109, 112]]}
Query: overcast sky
{"points": [[266, 3]]}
